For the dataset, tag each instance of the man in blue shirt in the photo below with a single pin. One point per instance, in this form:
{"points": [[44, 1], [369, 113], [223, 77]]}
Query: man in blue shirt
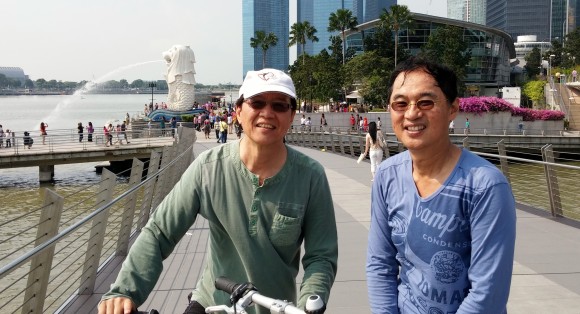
{"points": [[442, 231]]}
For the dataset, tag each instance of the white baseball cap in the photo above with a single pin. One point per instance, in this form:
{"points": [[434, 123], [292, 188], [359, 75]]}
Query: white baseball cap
{"points": [[267, 80]]}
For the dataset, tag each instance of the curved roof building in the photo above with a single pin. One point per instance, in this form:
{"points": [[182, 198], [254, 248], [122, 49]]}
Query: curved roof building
{"points": [[491, 48], [14, 73]]}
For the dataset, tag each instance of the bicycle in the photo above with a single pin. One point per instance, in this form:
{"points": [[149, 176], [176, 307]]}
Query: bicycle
{"points": [[245, 294]]}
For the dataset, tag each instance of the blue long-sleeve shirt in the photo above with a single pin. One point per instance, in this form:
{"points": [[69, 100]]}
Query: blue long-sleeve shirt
{"points": [[451, 252]]}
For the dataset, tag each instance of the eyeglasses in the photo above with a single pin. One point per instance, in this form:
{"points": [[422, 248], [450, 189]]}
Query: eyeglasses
{"points": [[424, 104], [278, 106]]}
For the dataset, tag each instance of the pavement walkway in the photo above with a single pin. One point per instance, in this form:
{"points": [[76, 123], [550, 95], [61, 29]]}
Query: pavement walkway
{"points": [[546, 276]]}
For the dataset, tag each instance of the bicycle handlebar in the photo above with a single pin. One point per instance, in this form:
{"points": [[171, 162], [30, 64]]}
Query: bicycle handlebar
{"points": [[243, 295], [225, 284]]}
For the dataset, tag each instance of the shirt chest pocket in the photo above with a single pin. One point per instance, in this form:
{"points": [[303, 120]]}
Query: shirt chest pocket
{"points": [[287, 224]]}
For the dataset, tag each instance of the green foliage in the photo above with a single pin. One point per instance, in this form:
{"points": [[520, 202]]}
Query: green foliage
{"points": [[263, 41], [370, 72], [342, 20], [398, 17], [534, 90], [187, 118], [447, 46], [300, 33], [533, 63], [317, 78]]}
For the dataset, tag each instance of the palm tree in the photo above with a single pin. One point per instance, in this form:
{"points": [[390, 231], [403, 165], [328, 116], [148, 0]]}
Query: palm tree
{"points": [[342, 20], [299, 33], [399, 17], [264, 41]]}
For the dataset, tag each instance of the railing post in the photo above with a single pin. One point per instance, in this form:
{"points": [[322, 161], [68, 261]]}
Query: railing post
{"points": [[465, 142], [129, 212], [160, 186], [149, 188], [341, 142], [385, 147], [503, 160], [361, 144], [97, 236], [552, 181], [333, 147], [41, 264], [351, 145]]}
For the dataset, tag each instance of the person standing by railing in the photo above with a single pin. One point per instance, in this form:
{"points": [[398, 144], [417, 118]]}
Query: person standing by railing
{"points": [[43, 133], [80, 130], [90, 131], [281, 203], [443, 222]]}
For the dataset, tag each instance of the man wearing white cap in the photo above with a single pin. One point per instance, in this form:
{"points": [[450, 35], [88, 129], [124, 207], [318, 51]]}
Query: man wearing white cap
{"points": [[279, 200]]}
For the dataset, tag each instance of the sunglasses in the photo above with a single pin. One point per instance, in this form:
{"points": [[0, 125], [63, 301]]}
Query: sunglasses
{"points": [[402, 106], [278, 106]]}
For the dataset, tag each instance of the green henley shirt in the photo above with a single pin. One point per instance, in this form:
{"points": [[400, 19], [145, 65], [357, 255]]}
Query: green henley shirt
{"points": [[256, 232]]}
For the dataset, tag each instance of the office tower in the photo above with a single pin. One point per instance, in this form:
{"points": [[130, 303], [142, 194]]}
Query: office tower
{"points": [[520, 17], [317, 13], [372, 9], [473, 11], [268, 16], [564, 17]]}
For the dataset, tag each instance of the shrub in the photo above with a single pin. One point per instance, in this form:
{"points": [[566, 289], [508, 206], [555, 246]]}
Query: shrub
{"points": [[480, 105]]}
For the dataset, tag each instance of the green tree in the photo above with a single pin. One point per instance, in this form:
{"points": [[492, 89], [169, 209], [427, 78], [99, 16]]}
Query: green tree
{"points": [[317, 77], [264, 41], [300, 33], [447, 46], [137, 84], [573, 45], [342, 20], [397, 18], [533, 63], [370, 72], [557, 50], [29, 83], [534, 90]]}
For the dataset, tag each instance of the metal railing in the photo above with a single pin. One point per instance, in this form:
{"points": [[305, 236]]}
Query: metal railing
{"points": [[542, 179], [72, 240], [56, 250], [60, 139]]}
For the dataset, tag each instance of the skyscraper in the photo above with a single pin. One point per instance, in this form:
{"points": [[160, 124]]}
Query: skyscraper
{"points": [[564, 17], [317, 13], [473, 11], [372, 9], [268, 16], [520, 17]]}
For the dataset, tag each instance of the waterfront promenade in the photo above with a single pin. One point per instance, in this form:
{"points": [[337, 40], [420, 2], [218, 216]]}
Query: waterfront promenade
{"points": [[546, 276]]}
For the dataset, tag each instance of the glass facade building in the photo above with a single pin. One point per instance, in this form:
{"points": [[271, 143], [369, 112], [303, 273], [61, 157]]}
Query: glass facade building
{"points": [[520, 17], [473, 11], [491, 49], [317, 13], [564, 17], [268, 16]]}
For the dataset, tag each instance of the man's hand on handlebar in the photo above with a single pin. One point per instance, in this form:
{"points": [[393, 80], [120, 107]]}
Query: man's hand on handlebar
{"points": [[118, 305]]}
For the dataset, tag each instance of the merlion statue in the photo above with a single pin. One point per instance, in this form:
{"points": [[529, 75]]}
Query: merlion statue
{"points": [[180, 77]]}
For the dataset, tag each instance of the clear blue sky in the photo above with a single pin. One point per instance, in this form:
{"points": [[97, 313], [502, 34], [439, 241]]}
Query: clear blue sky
{"points": [[81, 40]]}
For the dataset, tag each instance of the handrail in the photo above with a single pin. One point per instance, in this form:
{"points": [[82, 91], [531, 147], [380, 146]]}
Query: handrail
{"points": [[52, 241]]}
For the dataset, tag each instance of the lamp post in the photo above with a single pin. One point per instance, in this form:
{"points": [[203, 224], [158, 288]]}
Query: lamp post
{"points": [[152, 85], [550, 66]]}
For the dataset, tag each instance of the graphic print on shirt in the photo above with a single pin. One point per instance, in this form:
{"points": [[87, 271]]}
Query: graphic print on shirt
{"points": [[438, 243]]}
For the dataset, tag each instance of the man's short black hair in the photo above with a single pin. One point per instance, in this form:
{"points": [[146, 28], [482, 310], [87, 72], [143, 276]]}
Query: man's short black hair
{"points": [[444, 76]]}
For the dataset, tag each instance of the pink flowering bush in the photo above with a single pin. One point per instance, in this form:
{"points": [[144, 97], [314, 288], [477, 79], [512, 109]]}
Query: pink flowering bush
{"points": [[480, 105]]}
